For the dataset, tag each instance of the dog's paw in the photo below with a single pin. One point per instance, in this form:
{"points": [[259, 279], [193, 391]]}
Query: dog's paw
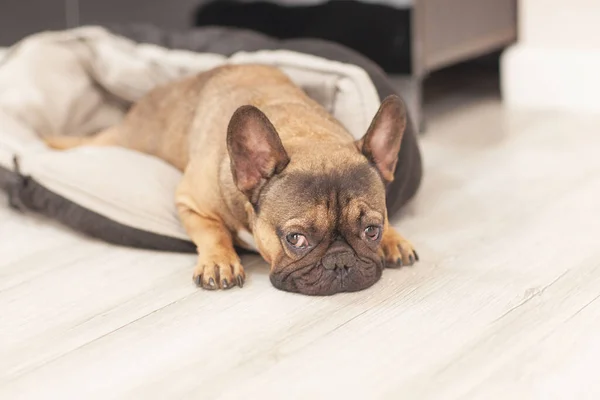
{"points": [[396, 250], [219, 272]]}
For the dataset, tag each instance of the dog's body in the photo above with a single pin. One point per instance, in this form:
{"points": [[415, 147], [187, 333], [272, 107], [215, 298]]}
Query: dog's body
{"points": [[259, 155]]}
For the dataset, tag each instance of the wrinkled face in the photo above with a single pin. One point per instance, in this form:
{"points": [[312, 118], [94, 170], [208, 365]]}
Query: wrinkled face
{"points": [[321, 231], [317, 220]]}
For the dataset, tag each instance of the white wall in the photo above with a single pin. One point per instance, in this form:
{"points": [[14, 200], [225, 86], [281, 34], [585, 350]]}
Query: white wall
{"points": [[556, 62], [569, 24]]}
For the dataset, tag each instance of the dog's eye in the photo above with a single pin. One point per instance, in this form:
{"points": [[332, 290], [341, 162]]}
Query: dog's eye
{"points": [[297, 240], [372, 232]]}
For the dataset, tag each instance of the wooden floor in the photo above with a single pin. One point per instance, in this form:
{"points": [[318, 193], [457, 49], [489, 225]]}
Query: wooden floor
{"points": [[503, 305]]}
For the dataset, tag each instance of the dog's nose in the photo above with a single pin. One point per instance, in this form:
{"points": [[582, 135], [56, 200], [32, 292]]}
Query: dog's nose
{"points": [[339, 260]]}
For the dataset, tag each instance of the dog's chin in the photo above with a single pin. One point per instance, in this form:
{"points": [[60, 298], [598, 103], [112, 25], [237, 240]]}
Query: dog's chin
{"points": [[316, 280]]}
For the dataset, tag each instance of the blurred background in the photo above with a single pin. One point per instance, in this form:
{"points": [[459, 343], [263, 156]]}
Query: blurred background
{"points": [[409, 39], [412, 40]]}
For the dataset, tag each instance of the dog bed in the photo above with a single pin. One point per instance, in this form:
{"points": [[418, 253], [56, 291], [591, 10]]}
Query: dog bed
{"points": [[79, 81]]}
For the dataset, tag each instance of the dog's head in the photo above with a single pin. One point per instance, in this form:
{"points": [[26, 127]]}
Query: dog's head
{"points": [[317, 216]]}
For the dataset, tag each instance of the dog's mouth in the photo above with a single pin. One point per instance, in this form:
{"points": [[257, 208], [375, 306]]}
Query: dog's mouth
{"points": [[316, 280]]}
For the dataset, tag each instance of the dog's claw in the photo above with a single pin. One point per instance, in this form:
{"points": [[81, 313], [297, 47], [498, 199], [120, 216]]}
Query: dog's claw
{"points": [[216, 274], [397, 251], [416, 255]]}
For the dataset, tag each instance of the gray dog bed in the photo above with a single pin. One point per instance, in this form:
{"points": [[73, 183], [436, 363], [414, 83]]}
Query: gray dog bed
{"points": [[79, 81]]}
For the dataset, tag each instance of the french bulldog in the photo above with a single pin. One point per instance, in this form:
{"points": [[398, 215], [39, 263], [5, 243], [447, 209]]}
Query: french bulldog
{"points": [[261, 159]]}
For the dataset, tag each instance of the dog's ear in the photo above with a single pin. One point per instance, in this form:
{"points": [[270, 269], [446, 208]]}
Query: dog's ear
{"points": [[381, 143], [255, 150]]}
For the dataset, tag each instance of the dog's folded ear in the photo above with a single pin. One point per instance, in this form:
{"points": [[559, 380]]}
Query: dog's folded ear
{"points": [[381, 143], [255, 150]]}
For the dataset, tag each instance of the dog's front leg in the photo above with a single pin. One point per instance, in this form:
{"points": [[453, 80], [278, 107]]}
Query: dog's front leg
{"points": [[218, 264], [396, 250]]}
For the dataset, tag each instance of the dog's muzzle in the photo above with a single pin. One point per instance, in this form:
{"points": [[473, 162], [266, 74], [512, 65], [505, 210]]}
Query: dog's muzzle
{"points": [[338, 271]]}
